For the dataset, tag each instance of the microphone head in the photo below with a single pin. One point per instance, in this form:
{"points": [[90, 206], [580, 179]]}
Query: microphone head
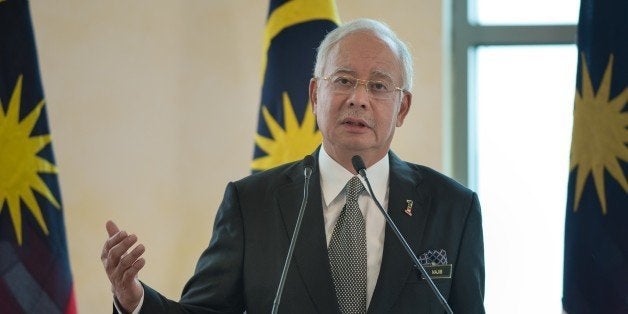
{"points": [[308, 165], [358, 163], [308, 162]]}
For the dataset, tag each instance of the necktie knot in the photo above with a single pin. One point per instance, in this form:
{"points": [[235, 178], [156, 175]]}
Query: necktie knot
{"points": [[353, 189]]}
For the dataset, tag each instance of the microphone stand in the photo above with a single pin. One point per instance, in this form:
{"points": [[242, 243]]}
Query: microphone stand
{"points": [[284, 273], [358, 164]]}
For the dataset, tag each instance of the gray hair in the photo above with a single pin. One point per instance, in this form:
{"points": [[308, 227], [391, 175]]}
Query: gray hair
{"points": [[380, 30]]}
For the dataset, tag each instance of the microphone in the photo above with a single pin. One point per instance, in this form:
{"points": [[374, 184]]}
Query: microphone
{"points": [[358, 165], [308, 165]]}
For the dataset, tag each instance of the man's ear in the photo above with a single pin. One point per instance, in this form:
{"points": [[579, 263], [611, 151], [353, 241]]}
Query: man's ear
{"points": [[404, 108], [313, 95]]}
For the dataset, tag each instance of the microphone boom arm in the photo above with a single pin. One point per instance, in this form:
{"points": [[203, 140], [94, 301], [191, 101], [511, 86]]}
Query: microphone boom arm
{"points": [[358, 164]]}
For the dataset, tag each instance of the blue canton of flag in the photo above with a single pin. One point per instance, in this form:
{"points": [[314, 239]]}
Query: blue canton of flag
{"points": [[35, 272], [287, 127], [596, 229]]}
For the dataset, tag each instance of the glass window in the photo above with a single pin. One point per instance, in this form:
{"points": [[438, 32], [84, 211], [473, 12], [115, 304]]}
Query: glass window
{"points": [[524, 104], [528, 12]]}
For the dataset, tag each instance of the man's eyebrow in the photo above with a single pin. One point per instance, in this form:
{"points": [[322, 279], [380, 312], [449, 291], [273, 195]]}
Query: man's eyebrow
{"points": [[344, 71], [375, 74], [381, 75]]}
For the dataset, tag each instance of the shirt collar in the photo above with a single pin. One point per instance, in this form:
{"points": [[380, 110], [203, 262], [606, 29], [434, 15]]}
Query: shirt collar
{"points": [[334, 177]]}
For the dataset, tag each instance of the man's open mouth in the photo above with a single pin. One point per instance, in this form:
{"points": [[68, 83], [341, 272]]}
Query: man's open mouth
{"points": [[355, 122]]}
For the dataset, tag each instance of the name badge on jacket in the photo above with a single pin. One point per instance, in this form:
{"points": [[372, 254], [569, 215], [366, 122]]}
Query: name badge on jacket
{"points": [[435, 264]]}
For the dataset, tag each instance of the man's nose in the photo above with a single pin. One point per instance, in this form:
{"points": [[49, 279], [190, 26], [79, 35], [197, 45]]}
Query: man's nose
{"points": [[360, 96]]}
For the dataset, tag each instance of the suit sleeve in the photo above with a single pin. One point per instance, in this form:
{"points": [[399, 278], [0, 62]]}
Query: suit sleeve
{"points": [[467, 291], [216, 286]]}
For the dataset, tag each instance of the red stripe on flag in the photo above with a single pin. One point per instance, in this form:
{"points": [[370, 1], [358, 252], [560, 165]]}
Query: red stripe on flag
{"points": [[70, 308]]}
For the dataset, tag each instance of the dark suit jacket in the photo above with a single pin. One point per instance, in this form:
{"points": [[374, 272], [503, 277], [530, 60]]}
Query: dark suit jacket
{"points": [[240, 269]]}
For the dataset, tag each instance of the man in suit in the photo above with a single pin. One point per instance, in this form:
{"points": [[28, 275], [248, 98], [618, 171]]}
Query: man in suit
{"points": [[360, 94]]}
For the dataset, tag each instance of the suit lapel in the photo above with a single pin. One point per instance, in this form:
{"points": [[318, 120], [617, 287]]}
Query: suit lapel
{"points": [[404, 184], [310, 254]]}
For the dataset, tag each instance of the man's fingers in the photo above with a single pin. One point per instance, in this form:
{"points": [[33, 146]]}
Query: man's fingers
{"points": [[131, 273], [111, 242], [127, 279], [129, 266], [129, 259], [111, 228], [115, 236], [117, 251]]}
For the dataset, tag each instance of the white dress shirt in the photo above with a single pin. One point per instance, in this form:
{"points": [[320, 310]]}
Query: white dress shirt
{"points": [[333, 180]]}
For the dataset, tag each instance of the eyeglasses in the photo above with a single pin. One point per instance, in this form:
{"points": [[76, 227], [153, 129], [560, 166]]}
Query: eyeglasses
{"points": [[346, 85]]}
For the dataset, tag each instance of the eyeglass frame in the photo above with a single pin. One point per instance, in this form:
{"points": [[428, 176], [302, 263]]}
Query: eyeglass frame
{"points": [[361, 82]]}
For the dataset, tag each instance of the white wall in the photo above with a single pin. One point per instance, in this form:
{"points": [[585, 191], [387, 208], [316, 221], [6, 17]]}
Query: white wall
{"points": [[152, 107]]}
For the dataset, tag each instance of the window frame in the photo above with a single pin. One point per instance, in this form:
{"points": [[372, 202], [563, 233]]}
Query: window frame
{"points": [[460, 138]]}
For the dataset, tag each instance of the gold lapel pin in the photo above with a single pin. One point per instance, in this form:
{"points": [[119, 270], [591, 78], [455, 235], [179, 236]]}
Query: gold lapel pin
{"points": [[408, 209]]}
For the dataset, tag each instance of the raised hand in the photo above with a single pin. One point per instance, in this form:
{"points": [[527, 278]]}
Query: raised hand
{"points": [[122, 266]]}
